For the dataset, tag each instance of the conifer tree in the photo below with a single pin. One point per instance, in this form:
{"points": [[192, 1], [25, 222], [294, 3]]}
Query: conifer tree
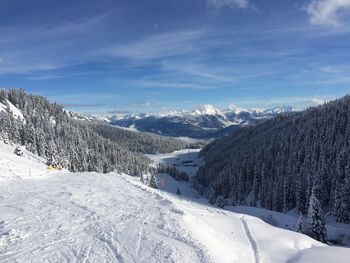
{"points": [[299, 227], [316, 224], [278, 162], [153, 182], [211, 196], [178, 192], [220, 202], [54, 133]]}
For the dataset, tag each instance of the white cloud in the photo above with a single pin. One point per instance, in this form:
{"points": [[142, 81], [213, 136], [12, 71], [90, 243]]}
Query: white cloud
{"points": [[163, 84], [24, 68], [143, 104], [328, 12], [316, 101], [228, 3], [331, 70], [198, 70], [27, 48], [160, 45]]}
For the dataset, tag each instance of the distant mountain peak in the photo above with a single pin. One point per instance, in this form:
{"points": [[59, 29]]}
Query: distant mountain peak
{"points": [[206, 109], [280, 109], [205, 121], [235, 109]]}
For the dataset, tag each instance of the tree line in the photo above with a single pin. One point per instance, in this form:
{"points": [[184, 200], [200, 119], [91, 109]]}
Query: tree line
{"points": [[285, 163], [50, 131]]}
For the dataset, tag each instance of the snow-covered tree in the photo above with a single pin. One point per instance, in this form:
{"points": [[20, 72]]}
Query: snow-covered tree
{"points": [[211, 196], [278, 162], [54, 133], [220, 201], [299, 227], [153, 182], [178, 192], [316, 224]]}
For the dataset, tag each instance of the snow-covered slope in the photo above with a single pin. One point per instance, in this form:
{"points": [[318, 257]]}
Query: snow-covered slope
{"points": [[16, 167], [335, 231], [90, 217], [7, 106]]}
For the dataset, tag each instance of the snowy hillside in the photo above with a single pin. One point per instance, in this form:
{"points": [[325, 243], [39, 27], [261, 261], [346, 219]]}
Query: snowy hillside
{"points": [[7, 106], [90, 217], [15, 167]]}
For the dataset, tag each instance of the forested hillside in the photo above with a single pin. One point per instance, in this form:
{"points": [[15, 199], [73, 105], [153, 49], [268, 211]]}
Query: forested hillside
{"points": [[278, 164], [139, 142], [53, 133]]}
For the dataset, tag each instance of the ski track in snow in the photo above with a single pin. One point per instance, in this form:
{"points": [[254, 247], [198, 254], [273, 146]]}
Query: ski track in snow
{"points": [[255, 248], [69, 218], [221, 249]]}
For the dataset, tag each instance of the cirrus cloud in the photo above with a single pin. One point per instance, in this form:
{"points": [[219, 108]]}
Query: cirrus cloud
{"points": [[328, 12], [228, 3]]}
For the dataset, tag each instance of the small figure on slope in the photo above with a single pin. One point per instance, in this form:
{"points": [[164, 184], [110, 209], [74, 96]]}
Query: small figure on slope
{"points": [[19, 151]]}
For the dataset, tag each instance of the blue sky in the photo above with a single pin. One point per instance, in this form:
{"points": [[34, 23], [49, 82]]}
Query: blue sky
{"points": [[157, 55]]}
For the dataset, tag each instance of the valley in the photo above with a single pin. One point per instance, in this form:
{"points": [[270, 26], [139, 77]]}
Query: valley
{"points": [[201, 131]]}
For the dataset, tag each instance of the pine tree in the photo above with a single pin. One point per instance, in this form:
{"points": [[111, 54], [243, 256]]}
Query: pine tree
{"points": [[278, 162], [342, 199], [220, 202], [153, 182], [178, 192], [316, 224], [211, 196], [299, 227]]}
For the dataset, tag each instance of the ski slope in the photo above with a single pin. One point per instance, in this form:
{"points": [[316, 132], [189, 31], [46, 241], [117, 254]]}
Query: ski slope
{"points": [[89, 217], [13, 167]]}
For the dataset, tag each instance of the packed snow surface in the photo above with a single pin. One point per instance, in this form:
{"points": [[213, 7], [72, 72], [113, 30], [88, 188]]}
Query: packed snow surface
{"points": [[51, 216]]}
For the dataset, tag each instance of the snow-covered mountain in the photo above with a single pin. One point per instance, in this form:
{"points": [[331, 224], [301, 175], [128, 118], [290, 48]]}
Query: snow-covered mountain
{"points": [[202, 122], [207, 110]]}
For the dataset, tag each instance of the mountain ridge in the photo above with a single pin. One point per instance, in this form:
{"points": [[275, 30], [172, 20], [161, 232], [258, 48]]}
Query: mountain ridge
{"points": [[202, 123]]}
